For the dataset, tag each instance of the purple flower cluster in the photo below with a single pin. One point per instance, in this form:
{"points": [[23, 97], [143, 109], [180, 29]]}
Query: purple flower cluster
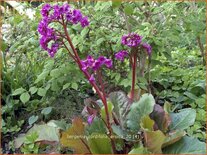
{"points": [[95, 64], [147, 47], [57, 13], [47, 35], [131, 40], [121, 55]]}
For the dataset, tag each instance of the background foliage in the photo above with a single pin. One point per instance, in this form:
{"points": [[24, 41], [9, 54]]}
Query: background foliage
{"points": [[36, 88]]}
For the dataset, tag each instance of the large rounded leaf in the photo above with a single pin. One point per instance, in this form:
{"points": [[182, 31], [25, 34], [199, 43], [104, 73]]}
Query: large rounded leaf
{"points": [[183, 119], [188, 145], [139, 109]]}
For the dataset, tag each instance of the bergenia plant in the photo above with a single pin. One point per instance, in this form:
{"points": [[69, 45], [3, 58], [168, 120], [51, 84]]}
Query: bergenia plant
{"points": [[115, 123]]}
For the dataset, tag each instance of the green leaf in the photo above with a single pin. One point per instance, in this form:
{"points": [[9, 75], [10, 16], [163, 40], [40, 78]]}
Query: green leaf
{"points": [[66, 86], [41, 92], [45, 133], [76, 40], [154, 140], [121, 105], [126, 82], [46, 111], [32, 137], [183, 119], [84, 32], [190, 95], [139, 150], [42, 76], [116, 3], [173, 137], [99, 41], [100, 144], [3, 46], [33, 119], [187, 145], [33, 90], [55, 86], [59, 124], [128, 9], [117, 77], [139, 109], [117, 130], [97, 126], [110, 108], [147, 123], [25, 97], [18, 91], [55, 73], [74, 86], [167, 107]]}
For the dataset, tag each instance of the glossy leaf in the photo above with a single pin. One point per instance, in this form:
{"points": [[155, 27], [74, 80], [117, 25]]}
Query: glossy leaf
{"points": [[154, 140], [187, 145], [139, 109], [183, 119]]}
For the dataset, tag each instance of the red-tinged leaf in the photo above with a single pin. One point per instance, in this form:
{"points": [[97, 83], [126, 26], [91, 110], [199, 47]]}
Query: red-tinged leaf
{"points": [[173, 137], [74, 137], [161, 118], [154, 140]]}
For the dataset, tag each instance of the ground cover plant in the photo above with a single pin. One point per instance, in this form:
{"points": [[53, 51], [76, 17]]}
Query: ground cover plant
{"points": [[125, 85]]}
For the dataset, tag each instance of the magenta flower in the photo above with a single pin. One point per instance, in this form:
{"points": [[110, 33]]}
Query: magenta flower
{"points": [[108, 63], [93, 64], [92, 78], [121, 55], [90, 119], [53, 14], [76, 17], [131, 40], [147, 47], [84, 22], [45, 10]]}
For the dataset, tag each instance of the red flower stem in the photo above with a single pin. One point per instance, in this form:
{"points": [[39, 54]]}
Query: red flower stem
{"points": [[106, 111], [102, 97], [133, 75], [101, 83]]}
